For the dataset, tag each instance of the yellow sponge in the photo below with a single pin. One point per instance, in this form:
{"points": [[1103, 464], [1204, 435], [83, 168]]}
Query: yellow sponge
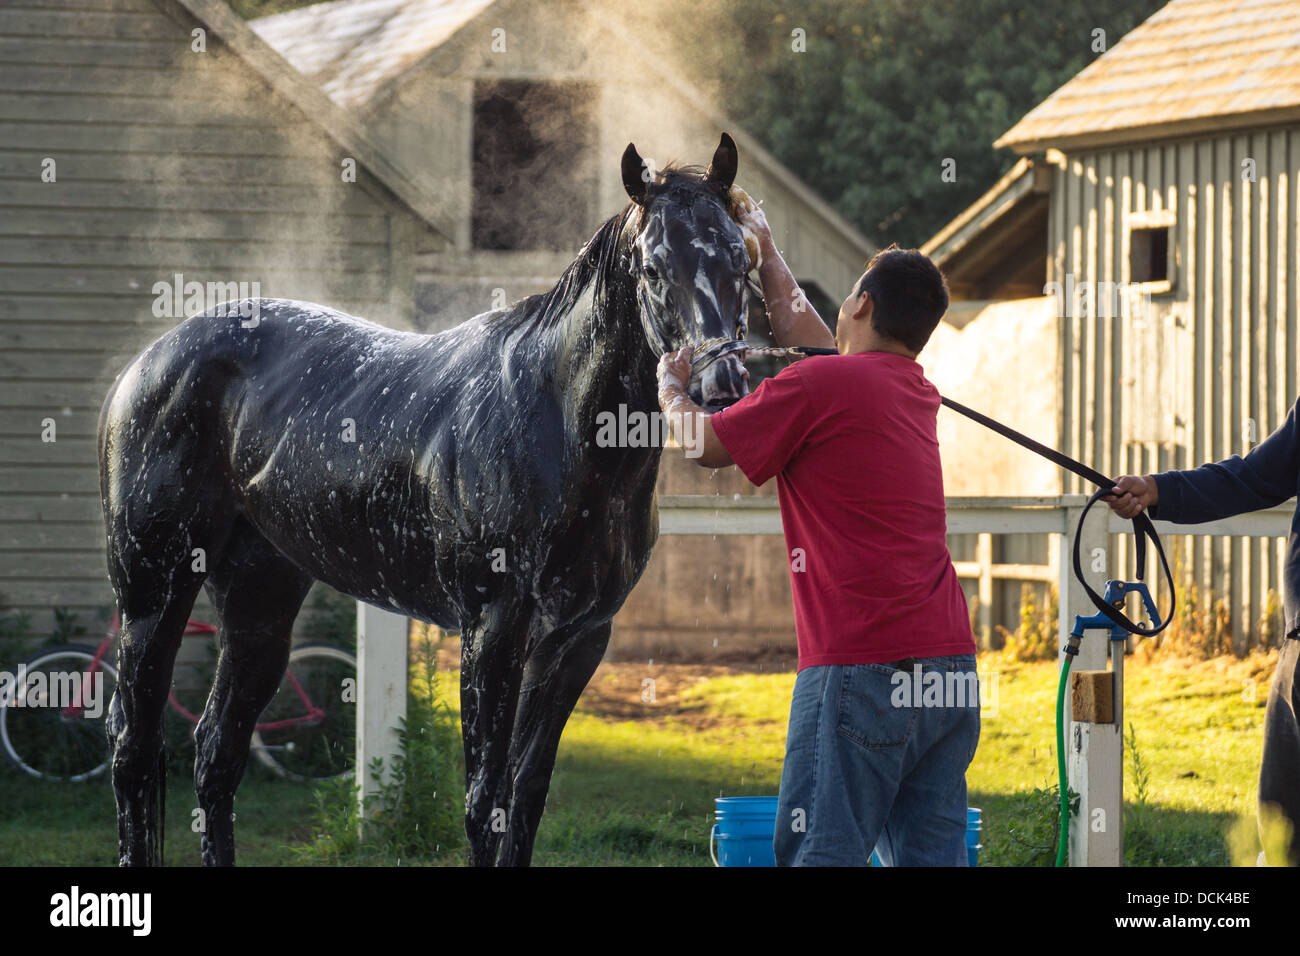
{"points": [[740, 203]]}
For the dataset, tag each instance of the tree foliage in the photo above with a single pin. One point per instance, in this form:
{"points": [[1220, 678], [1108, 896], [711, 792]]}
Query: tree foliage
{"points": [[887, 90]]}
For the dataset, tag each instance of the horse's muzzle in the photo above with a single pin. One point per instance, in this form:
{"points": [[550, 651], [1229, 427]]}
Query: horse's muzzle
{"points": [[720, 378]]}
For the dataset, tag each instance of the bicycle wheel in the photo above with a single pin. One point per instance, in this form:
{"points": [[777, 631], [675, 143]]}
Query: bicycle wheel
{"points": [[309, 730], [52, 727]]}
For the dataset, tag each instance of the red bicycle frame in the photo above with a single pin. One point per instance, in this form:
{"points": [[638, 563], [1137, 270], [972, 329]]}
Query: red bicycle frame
{"points": [[314, 713]]}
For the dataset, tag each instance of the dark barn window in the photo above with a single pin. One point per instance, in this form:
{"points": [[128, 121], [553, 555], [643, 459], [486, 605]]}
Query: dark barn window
{"points": [[1148, 255], [533, 165]]}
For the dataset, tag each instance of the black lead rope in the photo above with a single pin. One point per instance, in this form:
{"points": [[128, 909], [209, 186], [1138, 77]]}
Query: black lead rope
{"points": [[1142, 526]]}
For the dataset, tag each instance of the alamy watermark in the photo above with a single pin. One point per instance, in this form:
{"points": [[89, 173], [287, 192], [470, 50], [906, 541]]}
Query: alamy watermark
{"points": [[1091, 299], [181, 297], [75, 908], [54, 689], [945, 688], [630, 428]]}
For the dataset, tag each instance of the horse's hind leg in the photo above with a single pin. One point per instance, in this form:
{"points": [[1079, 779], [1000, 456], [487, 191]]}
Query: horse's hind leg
{"points": [[154, 606], [555, 673], [257, 592]]}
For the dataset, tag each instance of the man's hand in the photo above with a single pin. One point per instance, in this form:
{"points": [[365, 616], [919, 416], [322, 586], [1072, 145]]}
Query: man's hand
{"points": [[674, 371], [792, 317], [1132, 495], [690, 421], [749, 215]]}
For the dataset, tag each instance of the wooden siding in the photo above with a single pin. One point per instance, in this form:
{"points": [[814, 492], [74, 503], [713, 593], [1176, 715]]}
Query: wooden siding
{"points": [[168, 161], [1212, 368]]}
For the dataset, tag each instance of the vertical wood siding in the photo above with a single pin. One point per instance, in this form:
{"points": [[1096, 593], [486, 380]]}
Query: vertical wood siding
{"points": [[1213, 368]]}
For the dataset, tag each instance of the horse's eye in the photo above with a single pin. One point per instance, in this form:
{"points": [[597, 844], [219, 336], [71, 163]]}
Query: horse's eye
{"points": [[651, 272]]}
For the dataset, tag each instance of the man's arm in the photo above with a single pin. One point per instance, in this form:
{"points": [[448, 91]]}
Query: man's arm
{"points": [[1265, 477], [793, 318], [690, 421]]}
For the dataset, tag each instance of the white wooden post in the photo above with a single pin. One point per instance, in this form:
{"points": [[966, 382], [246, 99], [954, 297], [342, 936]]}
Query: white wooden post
{"points": [[984, 555], [1094, 752], [381, 692]]}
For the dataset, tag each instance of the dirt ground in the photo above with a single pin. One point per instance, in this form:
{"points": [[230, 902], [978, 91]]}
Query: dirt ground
{"points": [[615, 690]]}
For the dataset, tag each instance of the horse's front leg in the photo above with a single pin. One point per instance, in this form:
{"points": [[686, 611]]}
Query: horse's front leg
{"points": [[555, 674], [491, 663]]}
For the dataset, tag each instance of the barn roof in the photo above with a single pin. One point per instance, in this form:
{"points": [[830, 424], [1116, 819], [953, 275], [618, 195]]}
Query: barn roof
{"points": [[352, 48], [996, 248], [217, 16], [356, 50], [1194, 65]]}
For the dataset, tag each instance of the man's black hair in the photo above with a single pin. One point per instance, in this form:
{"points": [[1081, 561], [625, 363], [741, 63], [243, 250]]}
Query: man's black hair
{"points": [[909, 294]]}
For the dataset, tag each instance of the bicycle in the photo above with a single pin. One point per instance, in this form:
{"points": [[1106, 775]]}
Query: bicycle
{"points": [[52, 717]]}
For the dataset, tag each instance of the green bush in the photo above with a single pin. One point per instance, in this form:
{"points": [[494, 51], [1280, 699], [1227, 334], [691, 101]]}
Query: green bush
{"points": [[418, 811]]}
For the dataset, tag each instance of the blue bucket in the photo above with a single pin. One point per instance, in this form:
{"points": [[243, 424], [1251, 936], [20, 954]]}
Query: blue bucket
{"points": [[743, 832], [974, 824], [746, 825]]}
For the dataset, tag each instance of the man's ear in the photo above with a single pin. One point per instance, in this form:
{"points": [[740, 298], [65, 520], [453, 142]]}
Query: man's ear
{"points": [[864, 306]]}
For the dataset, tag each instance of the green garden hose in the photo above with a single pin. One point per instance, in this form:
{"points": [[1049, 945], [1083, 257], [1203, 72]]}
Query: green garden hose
{"points": [[1062, 849]]}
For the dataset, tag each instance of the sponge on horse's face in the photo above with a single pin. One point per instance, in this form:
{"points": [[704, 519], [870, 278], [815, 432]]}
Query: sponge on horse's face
{"points": [[739, 204]]}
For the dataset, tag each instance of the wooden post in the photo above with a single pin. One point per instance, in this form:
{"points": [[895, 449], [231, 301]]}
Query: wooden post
{"points": [[1094, 752], [984, 555], [381, 692]]}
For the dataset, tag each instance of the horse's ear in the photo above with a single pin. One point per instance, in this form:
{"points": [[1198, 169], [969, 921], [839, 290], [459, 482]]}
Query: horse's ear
{"points": [[725, 161], [634, 180]]}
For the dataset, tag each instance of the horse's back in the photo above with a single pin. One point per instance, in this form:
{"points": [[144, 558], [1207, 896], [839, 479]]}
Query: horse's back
{"points": [[175, 415], [339, 440]]}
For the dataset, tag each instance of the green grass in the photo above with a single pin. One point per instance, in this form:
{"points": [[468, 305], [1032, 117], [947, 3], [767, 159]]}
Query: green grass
{"points": [[640, 791], [1199, 738], [75, 825]]}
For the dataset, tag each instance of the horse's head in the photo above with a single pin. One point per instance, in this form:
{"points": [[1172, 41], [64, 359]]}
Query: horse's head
{"points": [[690, 263]]}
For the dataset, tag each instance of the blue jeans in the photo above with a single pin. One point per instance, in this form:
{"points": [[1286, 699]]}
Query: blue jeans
{"points": [[876, 757]]}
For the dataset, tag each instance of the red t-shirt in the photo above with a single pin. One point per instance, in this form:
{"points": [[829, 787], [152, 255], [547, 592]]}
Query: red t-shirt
{"points": [[853, 445]]}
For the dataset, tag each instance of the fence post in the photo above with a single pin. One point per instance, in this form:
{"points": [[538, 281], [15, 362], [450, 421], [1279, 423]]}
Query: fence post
{"points": [[984, 555], [1094, 752], [381, 692]]}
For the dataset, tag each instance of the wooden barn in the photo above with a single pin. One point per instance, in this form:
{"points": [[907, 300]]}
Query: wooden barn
{"points": [[1155, 209], [149, 147]]}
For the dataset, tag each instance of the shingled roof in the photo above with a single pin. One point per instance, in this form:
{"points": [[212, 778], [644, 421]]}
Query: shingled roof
{"points": [[217, 16], [352, 48], [1193, 65]]}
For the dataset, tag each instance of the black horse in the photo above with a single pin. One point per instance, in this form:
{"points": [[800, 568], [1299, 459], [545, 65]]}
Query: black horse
{"points": [[455, 478]]}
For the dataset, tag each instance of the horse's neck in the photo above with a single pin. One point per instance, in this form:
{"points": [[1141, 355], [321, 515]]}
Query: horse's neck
{"points": [[603, 359]]}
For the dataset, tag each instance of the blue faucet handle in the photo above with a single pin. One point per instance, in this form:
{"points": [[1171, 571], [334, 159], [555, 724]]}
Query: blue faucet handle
{"points": [[1114, 595], [1116, 591]]}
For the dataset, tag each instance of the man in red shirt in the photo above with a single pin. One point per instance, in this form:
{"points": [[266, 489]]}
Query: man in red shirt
{"points": [[884, 719]]}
